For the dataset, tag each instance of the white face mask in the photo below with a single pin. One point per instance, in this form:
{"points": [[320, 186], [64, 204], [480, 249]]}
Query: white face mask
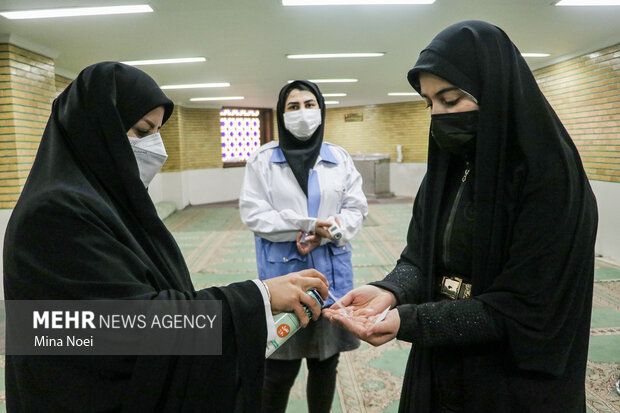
{"points": [[302, 123], [150, 154]]}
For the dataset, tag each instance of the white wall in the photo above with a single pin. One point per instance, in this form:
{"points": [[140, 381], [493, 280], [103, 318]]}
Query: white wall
{"points": [[170, 186], [214, 185], [405, 178], [199, 186], [608, 236]]}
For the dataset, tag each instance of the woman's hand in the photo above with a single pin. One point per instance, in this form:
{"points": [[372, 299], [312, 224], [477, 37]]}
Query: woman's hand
{"points": [[366, 300], [322, 228], [288, 293], [368, 328], [358, 312], [310, 242]]}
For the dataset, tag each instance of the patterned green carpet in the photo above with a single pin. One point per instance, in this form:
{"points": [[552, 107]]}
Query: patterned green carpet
{"points": [[220, 250]]}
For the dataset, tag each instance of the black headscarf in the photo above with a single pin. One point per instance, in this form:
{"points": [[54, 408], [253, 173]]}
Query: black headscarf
{"points": [[300, 155], [536, 218], [85, 227]]}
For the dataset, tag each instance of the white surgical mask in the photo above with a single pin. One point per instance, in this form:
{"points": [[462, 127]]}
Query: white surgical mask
{"points": [[302, 123], [150, 154]]}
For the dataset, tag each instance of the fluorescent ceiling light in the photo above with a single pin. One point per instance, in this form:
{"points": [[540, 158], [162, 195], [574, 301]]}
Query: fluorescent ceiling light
{"points": [[76, 11], [165, 61], [351, 2], [403, 94], [195, 86], [332, 55], [333, 80], [332, 102], [329, 80], [217, 98], [588, 3], [333, 95], [535, 54]]}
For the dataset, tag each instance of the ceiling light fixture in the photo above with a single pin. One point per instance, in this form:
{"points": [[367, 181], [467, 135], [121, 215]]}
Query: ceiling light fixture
{"points": [[332, 102], [76, 11], [217, 98], [352, 2], [332, 55], [165, 61], [333, 95], [329, 80], [588, 3], [535, 54], [196, 85], [403, 94]]}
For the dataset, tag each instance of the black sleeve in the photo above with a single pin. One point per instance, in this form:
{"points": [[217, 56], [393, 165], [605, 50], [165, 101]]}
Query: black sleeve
{"points": [[458, 322], [404, 281]]}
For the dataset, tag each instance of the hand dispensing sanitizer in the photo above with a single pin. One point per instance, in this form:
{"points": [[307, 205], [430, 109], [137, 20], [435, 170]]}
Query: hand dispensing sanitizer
{"points": [[287, 324]]}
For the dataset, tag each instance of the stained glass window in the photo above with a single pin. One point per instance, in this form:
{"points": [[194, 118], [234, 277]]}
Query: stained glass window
{"points": [[241, 133]]}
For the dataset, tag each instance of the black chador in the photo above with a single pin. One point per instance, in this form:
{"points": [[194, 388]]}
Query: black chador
{"points": [[85, 228], [526, 222]]}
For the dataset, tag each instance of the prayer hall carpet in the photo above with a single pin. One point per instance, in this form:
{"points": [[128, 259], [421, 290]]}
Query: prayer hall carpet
{"points": [[219, 250]]}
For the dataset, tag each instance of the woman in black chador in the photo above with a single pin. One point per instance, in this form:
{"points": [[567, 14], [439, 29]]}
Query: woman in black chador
{"points": [[85, 228], [494, 287]]}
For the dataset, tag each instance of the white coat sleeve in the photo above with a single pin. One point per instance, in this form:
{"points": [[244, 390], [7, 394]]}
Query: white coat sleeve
{"points": [[354, 208], [260, 217]]}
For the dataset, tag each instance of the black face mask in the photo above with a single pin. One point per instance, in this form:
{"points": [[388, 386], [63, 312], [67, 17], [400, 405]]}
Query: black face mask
{"points": [[455, 133]]}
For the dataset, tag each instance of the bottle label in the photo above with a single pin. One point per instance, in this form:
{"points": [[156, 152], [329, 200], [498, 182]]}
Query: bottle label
{"points": [[283, 330], [287, 324]]}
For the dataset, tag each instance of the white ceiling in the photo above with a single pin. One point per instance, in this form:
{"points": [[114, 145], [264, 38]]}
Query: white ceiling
{"points": [[245, 41]]}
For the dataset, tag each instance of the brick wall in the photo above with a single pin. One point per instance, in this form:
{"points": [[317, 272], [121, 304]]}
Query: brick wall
{"points": [[192, 139], [61, 83], [201, 139], [585, 93], [27, 88], [171, 135], [383, 127]]}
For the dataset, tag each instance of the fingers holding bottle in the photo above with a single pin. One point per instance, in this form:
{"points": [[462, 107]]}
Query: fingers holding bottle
{"points": [[289, 291], [321, 228]]}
